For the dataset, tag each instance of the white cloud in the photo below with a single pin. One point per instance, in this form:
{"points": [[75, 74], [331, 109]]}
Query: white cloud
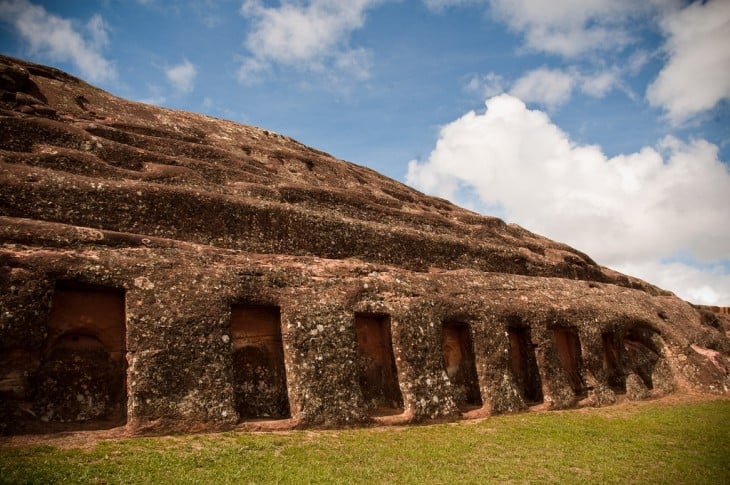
{"points": [[311, 34], [697, 74], [568, 28], [630, 211], [251, 70], [549, 87], [599, 84], [573, 28], [440, 5], [491, 84], [706, 286], [636, 61], [182, 76], [56, 38], [98, 30]]}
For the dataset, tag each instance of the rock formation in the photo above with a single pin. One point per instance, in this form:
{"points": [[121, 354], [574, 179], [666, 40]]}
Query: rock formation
{"points": [[166, 270]]}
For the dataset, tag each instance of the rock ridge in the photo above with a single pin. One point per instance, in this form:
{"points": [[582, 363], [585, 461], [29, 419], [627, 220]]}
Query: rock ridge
{"points": [[169, 271]]}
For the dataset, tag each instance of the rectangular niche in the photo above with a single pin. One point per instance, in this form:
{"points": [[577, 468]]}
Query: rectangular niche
{"points": [[81, 379], [259, 376], [567, 345], [378, 373], [460, 364], [642, 356], [523, 364], [612, 362]]}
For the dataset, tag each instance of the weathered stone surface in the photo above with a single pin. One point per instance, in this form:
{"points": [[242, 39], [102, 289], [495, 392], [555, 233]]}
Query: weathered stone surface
{"points": [[243, 260]]}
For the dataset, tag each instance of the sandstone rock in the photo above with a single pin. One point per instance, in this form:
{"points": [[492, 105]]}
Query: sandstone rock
{"points": [[13, 77], [171, 271], [26, 99]]}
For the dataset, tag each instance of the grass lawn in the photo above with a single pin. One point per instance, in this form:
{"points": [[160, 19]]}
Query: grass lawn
{"points": [[649, 442]]}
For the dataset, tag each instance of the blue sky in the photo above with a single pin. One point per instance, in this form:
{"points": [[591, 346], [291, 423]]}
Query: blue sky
{"points": [[601, 123]]}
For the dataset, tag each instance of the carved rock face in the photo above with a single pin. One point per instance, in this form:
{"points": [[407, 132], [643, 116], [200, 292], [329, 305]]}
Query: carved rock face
{"points": [[79, 384], [258, 363], [378, 373], [175, 271]]}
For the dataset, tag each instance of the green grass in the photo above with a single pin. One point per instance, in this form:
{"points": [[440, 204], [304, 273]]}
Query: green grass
{"points": [[647, 443]]}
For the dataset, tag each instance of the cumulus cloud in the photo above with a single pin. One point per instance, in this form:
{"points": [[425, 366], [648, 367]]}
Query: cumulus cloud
{"points": [[312, 35], [182, 76], [697, 74], [59, 39], [632, 211]]}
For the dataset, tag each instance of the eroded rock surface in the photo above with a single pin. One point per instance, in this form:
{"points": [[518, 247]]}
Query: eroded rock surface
{"points": [[173, 271]]}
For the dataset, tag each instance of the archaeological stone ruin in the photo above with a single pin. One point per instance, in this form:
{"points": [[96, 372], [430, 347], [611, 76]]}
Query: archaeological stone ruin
{"points": [[164, 271]]}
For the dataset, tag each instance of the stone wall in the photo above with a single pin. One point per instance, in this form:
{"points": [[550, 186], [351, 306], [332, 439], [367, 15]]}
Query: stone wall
{"points": [[168, 271], [190, 309]]}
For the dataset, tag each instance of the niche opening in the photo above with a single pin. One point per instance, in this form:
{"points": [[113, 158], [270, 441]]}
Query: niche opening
{"points": [[567, 344], [378, 374], [460, 364], [259, 376], [642, 356], [523, 364], [81, 379], [615, 377]]}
